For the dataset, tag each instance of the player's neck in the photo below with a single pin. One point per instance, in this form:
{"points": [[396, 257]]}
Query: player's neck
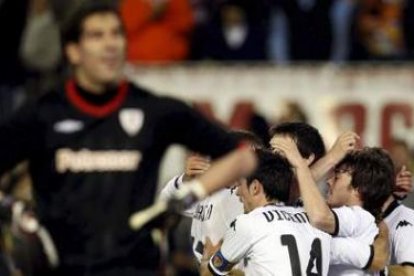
{"points": [[273, 202], [354, 197], [92, 87], [354, 201], [97, 99], [267, 202], [387, 203]]}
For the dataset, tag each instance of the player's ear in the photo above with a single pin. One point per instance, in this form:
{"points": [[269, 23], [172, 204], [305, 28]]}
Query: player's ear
{"points": [[72, 53], [356, 193], [256, 187]]}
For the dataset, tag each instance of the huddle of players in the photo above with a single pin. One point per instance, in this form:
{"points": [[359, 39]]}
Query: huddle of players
{"points": [[75, 139], [341, 235]]}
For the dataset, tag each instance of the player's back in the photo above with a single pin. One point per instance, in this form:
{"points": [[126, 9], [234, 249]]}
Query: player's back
{"points": [[212, 217], [400, 222], [278, 240]]}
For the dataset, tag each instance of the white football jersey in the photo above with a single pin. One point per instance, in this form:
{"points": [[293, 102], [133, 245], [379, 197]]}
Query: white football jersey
{"points": [[170, 188], [350, 248], [274, 240], [400, 222], [211, 216]]}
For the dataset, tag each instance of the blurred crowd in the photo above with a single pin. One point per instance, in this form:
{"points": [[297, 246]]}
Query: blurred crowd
{"points": [[163, 31], [272, 30], [167, 31]]}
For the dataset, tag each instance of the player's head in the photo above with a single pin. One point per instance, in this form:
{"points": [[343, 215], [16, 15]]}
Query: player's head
{"points": [[307, 138], [247, 136], [364, 177], [94, 43], [270, 182]]}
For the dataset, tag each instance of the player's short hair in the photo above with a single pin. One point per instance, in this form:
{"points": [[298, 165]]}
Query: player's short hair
{"points": [[373, 175], [245, 135], [308, 139], [72, 26], [274, 173]]}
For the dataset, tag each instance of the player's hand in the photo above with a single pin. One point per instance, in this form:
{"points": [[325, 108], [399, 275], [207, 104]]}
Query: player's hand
{"points": [[210, 249], [236, 272], [345, 143], [403, 183], [286, 147], [196, 164]]}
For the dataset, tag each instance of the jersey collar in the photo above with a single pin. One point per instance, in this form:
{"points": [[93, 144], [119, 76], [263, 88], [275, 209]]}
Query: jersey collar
{"points": [[391, 208], [95, 110]]}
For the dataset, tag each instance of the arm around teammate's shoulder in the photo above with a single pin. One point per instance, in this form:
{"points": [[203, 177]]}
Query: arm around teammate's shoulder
{"points": [[381, 249]]}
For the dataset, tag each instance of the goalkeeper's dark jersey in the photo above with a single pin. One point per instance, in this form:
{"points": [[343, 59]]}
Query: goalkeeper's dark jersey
{"points": [[92, 166]]}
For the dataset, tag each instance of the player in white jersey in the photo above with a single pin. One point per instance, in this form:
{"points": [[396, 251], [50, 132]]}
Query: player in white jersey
{"points": [[361, 180], [344, 249], [271, 239], [310, 146], [212, 216], [355, 253], [400, 221], [396, 246], [386, 242], [313, 151]]}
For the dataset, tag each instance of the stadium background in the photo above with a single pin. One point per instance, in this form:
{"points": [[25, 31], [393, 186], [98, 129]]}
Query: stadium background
{"points": [[342, 64], [375, 101]]}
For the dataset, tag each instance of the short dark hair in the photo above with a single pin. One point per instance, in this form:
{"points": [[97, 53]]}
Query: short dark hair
{"points": [[72, 26], [245, 135], [274, 173], [372, 172], [308, 139]]}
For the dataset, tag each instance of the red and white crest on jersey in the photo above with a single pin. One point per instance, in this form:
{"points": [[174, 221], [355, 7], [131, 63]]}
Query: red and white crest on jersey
{"points": [[131, 120]]}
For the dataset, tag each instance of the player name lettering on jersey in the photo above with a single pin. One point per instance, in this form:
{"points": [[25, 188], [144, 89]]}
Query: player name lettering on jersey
{"points": [[203, 212], [283, 215], [85, 160]]}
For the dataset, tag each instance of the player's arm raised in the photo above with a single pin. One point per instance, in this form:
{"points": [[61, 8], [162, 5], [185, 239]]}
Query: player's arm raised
{"points": [[228, 169], [346, 142], [237, 164], [320, 215], [195, 165]]}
